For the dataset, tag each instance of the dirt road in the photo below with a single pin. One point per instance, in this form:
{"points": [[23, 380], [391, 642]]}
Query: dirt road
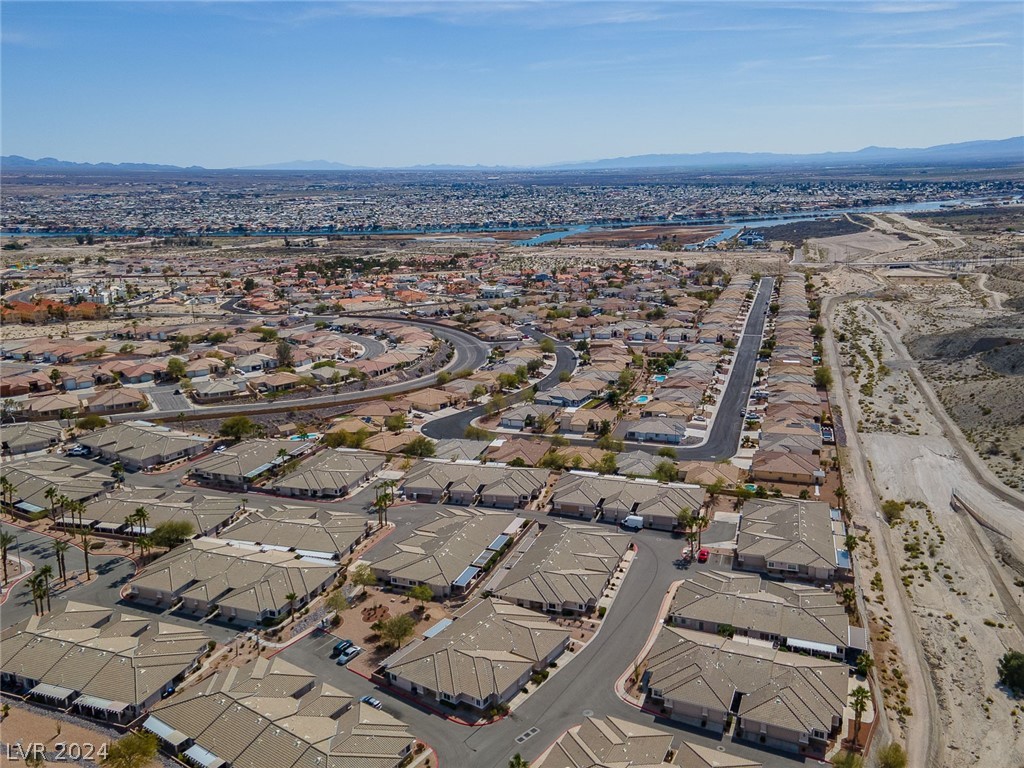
{"points": [[923, 732]]}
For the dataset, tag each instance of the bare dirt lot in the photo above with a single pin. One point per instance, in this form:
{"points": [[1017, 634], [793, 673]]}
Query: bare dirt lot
{"points": [[955, 601], [628, 236]]}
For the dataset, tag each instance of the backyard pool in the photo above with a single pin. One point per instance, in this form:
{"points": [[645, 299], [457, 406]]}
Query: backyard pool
{"points": [[642, 399], [307, 436], [659, 378]]}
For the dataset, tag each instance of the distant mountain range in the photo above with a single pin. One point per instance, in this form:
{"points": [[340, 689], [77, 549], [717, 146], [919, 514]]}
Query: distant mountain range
{"points": [[1000, 152], [17, 163], [1003, 151]]}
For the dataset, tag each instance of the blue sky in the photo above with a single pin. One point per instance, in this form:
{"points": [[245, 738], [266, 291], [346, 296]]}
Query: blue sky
{"points": [[400, 83]]}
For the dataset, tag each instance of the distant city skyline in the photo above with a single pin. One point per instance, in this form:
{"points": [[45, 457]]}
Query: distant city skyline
{"points": [[511, 83]]}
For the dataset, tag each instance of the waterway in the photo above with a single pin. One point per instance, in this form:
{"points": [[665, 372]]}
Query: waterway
{"points": [[752, 222], [566, 229]]}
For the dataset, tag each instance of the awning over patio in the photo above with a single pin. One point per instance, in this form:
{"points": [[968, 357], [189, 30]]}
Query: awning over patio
{"points": [[104, 705], [170, 735], [808, 645], [465, 577], [499, 542], [203, 757], [53, 692]]}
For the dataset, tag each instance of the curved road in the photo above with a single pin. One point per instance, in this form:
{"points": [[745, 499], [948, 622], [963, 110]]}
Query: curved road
{"points": [[725, 431], [470, 353]]}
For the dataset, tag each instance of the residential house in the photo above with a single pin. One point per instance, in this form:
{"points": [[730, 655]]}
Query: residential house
{"points": [[482, 659], [792, 538], [245, 584], [799, 617], [435, 482], [330, 473], [780, 700], [98, 662], [31, 436], [140, 445], [270, 712], [562, 568], [248, 462], [450, 553], [668, 431]]}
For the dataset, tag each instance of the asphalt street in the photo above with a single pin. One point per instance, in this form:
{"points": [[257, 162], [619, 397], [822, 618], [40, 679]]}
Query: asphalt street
{"points": [[454, 426]]}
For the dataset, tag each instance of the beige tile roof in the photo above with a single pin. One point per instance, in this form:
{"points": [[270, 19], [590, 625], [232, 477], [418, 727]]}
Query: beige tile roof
{"points": [[302, 528], [566, 563], [237, 576], [272, 713], [205, 512], [142, 442], [793, 611], [483, 652], [690, 755], [609, 741], [331, 470], [439, 551], [777, 687], [100, 652], [788, 531], [249, 456]]}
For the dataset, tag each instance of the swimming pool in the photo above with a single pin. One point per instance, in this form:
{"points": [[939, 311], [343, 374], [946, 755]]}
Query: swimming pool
{"points": [[659, 378], [642, 399], [307, 436]]}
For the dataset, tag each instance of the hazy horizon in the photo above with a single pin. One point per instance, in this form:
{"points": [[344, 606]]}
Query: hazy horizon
{"points": [[398, 84]]}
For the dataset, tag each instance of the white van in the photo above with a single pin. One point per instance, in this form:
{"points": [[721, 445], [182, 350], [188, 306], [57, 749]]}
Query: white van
{"points": [[633, 522]]}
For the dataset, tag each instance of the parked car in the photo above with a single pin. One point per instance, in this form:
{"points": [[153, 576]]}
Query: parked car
{"points": [[703, 555], [78, 450], [348, 654], [340, 647], [372, 702]]}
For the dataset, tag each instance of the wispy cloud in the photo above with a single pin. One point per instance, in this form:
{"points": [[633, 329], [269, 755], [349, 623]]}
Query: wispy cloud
{"points": [[904, 7], [934, 46]]}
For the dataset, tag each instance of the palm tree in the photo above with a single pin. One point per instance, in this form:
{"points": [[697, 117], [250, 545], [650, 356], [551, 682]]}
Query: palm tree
{"points": [[79, 507], [60, 547], [46, 572], [517, 761], [35, 584], [385, 498], [145, 545], [63, 502], [859, 702], [51, 496], [6, 539], [142, 518], [291, 597], [701, 523], [7, 492], [685, 520], [117, 472]]}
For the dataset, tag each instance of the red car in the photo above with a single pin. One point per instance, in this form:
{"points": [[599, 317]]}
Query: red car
{"points": [[703, 555]]}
